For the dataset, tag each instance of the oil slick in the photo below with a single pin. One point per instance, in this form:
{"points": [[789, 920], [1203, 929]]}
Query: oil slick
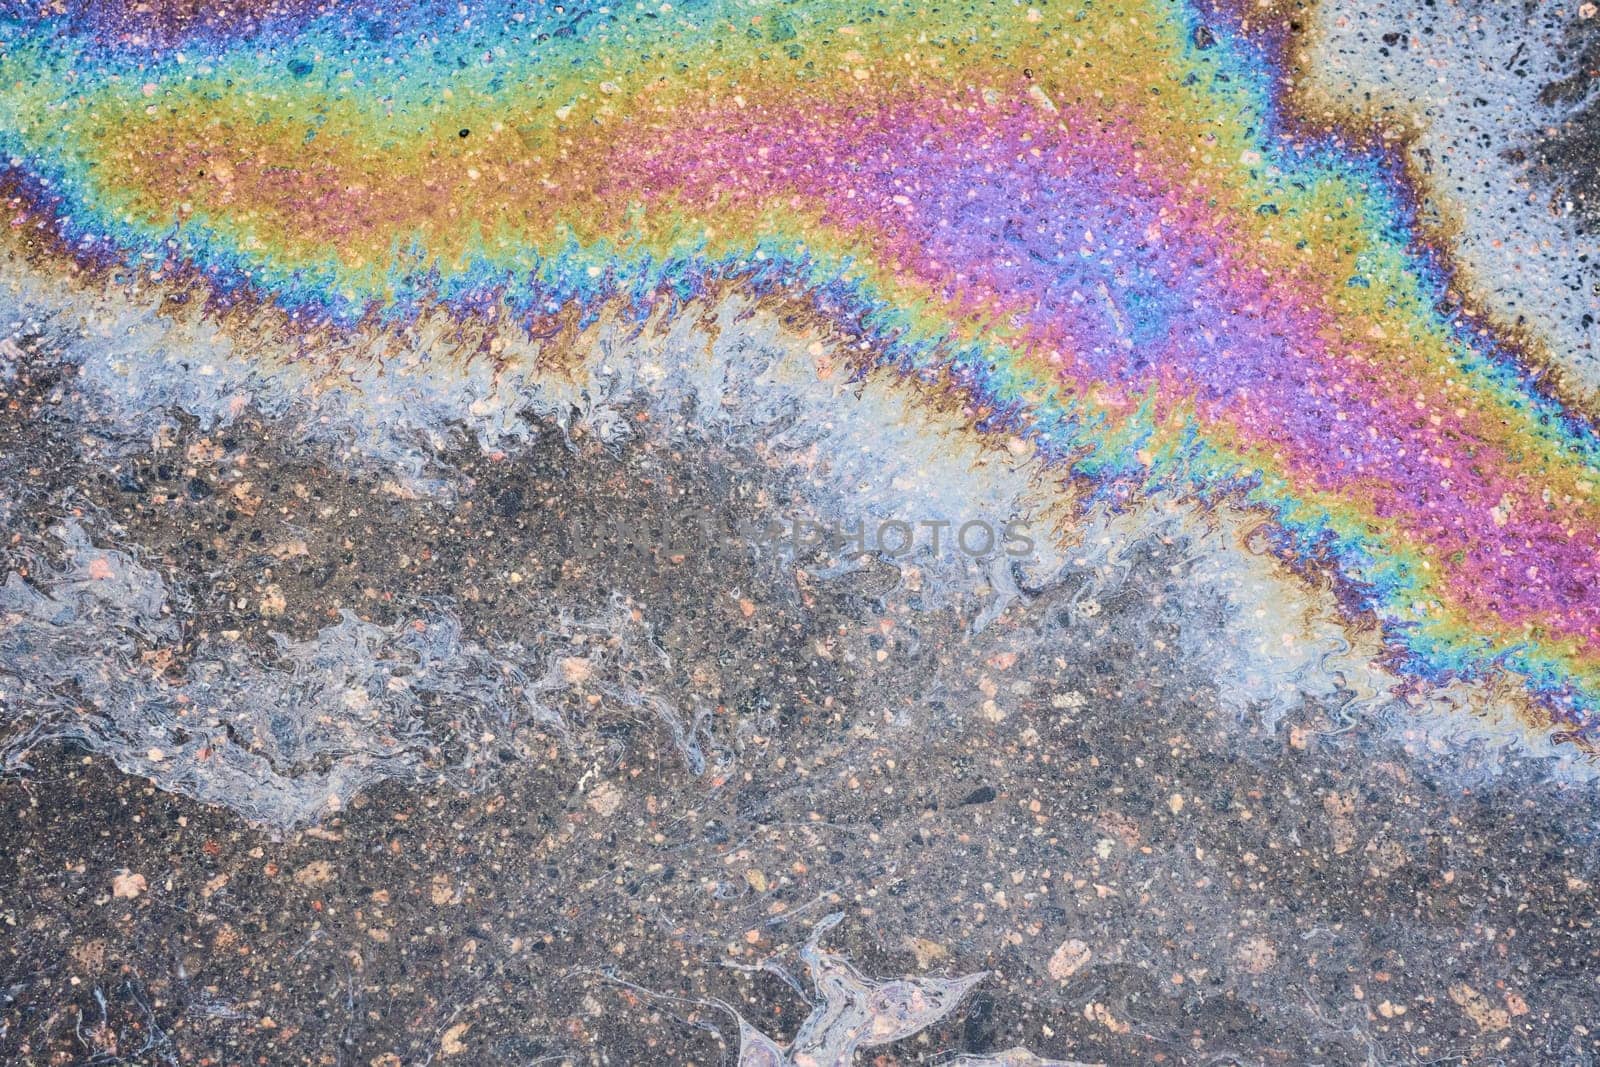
{"points": [[857, 1013], [1078, 266]]}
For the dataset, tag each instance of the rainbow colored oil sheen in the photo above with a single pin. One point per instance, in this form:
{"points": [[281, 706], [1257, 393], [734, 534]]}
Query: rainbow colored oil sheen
{"points": [[1095, 221]]}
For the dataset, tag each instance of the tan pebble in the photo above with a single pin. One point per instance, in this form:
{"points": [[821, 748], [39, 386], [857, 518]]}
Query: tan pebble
{"points": [[927, 952], [451, 1044], [128, 885], [315, 873], [575, 670], [604, 800], [272, 601], [1068, 959], [441, 892], [1257, 955]]}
